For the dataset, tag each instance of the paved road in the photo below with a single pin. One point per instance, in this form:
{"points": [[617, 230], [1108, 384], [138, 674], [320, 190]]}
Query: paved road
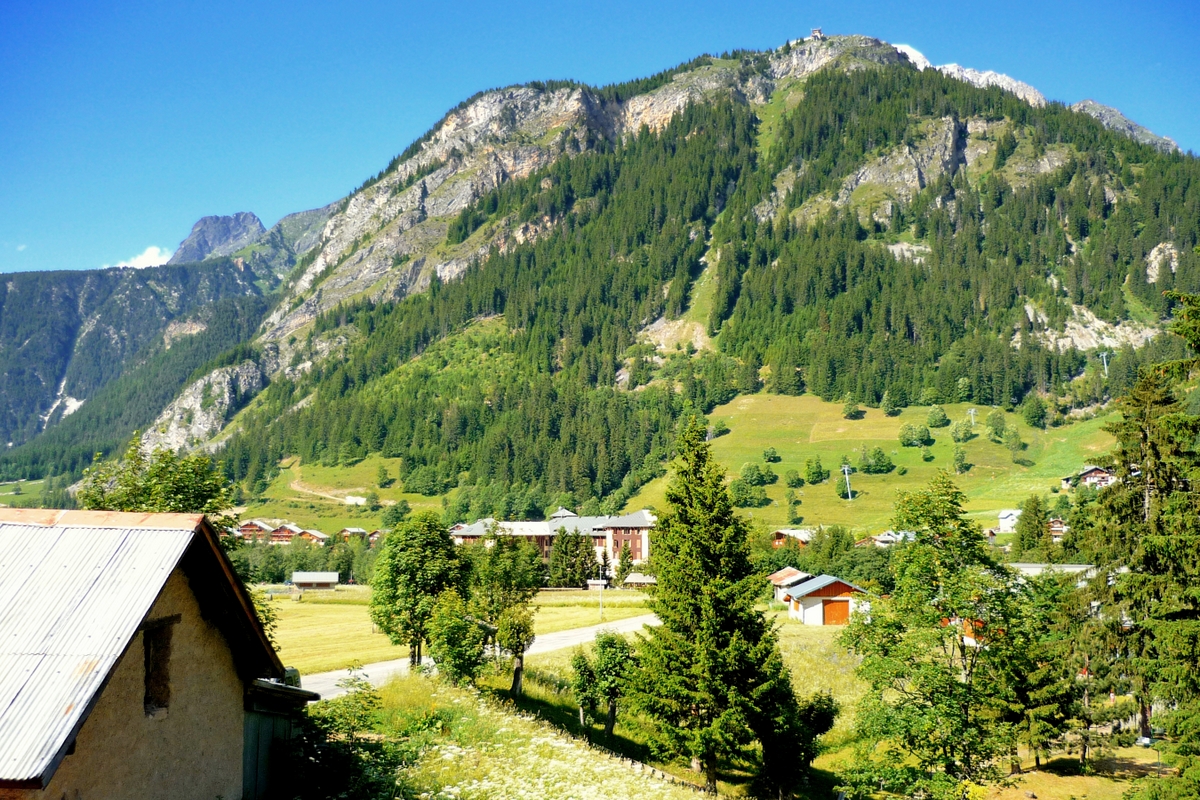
{"points": [[326, 683]]}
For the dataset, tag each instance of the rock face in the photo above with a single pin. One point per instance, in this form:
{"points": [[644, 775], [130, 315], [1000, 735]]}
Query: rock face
{"points": [[906, 170], [204, 407], [218, 236], [1114, 120], [1164, 254]]}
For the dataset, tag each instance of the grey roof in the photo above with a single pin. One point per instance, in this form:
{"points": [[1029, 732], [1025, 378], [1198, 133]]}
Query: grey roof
{"points": [[550, 527], [819, 582], [791, 580], [72, 596], [314, 577]]}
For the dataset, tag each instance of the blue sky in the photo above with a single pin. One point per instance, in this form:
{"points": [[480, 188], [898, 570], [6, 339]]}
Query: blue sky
{"points": [[123, 123]]}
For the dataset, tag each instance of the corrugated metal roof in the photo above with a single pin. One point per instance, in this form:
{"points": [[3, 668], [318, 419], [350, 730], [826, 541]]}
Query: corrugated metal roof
{"points": [[71, 598]]}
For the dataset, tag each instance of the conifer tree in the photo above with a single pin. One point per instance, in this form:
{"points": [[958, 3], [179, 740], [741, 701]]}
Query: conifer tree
{"points": [[711, 677]]}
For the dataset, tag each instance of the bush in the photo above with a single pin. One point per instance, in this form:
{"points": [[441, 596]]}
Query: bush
{"points": [[840, 487], [926, 454], [770, 455], [744, 495], [753, 474], [455, 641], [814, 472], [961, 432], [875, 462], [937, 418], [912, 435], [792, 479], [720, 428]]}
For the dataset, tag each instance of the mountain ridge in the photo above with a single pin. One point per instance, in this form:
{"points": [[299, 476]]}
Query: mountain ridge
{"points": [[215, 236]]}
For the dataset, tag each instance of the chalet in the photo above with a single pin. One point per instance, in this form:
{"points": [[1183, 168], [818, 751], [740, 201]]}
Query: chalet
{"points": [[824, 600], [886, 539], [345, 534], [374, 536], [327, 581], [255, 529], [1091, 476], [132, 663], [609, 534], [783, 580], [1057, 529], [1008, 520], [288, 531], [801, 536]]}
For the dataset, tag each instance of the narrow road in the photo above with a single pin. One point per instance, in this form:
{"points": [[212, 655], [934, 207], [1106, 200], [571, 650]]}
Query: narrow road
{"points": [[379, 673]]}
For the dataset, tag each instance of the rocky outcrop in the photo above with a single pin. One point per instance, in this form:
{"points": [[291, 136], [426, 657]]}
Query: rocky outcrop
{"points": [[1114, 120], [906, 170], [177, 330], [218, 236], [204, 407], [1164, 254], [1085, 331]]}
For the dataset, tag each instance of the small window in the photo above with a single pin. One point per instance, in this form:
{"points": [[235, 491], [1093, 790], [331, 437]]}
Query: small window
{"points": [[156, 643]]}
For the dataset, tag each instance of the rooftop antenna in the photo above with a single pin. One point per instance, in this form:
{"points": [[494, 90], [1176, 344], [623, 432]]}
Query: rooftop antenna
{"points": [[849, 491], [1104, 354]]}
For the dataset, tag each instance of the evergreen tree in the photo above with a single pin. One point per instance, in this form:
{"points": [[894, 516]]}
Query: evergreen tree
{"points": [[887, 405], [625, 565], [850, 409], [1031, 527], [711, 677]]}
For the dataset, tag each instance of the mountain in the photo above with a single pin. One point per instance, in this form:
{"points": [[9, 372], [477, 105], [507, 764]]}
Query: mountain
{"points": [[975, 77], [519, 308], [218, 236], [1114, 120]]}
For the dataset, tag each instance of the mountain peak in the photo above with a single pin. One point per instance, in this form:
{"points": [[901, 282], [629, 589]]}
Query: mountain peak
{"points": [[979, 78], [1114, 120], [216, 236]]}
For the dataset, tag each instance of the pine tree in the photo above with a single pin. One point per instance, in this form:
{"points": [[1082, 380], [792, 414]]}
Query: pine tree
{"points": [[711, 677], [1031, 526], [887, 405], [850, 409]]}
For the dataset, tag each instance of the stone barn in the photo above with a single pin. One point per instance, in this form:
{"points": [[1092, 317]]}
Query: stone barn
{"points": [[132, 663]]}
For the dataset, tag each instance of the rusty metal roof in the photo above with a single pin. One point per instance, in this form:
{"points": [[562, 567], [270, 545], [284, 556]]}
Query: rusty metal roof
{"points": [[74, 588]]}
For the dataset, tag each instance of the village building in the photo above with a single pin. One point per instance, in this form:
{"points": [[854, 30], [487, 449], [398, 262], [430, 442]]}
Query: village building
{"points": [[327, 581], [886, 539], [1008, 520], [609, 534], [346, 534], [783, 580], [824, 600], [801, 536], [284, 534], [255, 529], [1057, 528], [1091, 476], [132, 663], [638, 580]]}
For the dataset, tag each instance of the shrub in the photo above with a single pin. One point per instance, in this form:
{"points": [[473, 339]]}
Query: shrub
{"points": [[814, 472], [996, 425], [753, 474], [912, 435], [937, 418], [720, 428], [792, 479], [875, 462], [744, 495], [770, 455], [926, 454], [842, 490], [961, 431]]}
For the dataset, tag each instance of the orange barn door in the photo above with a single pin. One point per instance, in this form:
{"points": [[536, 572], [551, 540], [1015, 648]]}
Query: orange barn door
{"points": [[837, 612]]}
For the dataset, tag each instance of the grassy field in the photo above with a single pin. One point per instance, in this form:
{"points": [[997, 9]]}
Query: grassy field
{"points": [[803, 427], [332, 630]]}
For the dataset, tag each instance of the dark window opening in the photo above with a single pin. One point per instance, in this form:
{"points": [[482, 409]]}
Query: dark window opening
{"points": [[156, 643]]}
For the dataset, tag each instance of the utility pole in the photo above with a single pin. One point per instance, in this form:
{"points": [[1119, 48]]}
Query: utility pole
{"points": [[849, 491], [1104, 354], [971, 411]]}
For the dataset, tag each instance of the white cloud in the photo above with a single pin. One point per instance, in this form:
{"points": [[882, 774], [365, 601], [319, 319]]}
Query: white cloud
{"points": [[20, 247], [150, 257]]}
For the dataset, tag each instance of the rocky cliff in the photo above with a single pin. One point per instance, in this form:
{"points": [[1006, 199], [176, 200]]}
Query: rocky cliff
{"points": [[204, 407], [218, 236]]}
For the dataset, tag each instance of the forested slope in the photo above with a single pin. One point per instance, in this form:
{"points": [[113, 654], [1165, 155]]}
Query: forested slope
{"points": [[480, 308]]}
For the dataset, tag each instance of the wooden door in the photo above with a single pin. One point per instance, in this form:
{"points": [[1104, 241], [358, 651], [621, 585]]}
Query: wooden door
{"points": [[837, 612]]}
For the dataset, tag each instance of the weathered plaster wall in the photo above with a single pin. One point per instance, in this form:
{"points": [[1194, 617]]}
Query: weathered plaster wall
{"points": [[193, 749]]}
